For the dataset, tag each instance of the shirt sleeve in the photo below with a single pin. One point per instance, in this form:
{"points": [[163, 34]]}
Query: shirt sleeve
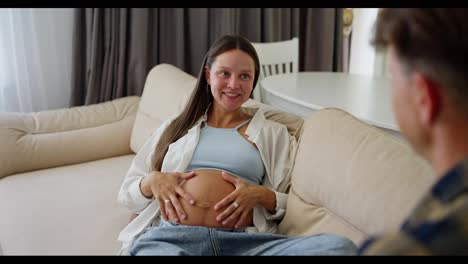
{"points": [[280, 209], [281, 161], [130, 193]]}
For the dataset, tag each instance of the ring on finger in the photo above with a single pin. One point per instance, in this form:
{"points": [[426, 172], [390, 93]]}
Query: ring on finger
{"points": [[235, 204]]}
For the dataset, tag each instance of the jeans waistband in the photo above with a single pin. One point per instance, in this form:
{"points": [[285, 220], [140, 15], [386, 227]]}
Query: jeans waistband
{"points": [[228, 229]]}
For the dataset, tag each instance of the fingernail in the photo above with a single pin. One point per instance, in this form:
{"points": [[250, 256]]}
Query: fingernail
{"points": [[236, 226], [183, 216], [192, 201], [218, 218], [224, 223]]}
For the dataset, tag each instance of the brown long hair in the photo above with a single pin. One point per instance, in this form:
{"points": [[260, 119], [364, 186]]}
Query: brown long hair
{"points": [[433, 41], [201, 96]]}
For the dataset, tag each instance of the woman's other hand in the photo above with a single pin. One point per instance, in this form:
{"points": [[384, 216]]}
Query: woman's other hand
{"points": [[238, 204], [165, 187]]}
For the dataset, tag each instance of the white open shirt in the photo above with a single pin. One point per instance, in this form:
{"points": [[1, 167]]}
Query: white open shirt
{"points": [[277, 149]]}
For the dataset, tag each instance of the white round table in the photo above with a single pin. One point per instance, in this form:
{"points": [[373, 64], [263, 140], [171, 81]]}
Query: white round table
{"points": [[365, 97]]}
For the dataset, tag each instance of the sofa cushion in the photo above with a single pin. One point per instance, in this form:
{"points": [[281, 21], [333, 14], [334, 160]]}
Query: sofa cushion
{"points": [[31, 141], [352, 179], [292, 122], [64, 210], [167, 90]]}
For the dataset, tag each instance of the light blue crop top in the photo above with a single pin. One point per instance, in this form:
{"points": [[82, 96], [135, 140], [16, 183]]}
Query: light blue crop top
{"points": [[226, 150]]}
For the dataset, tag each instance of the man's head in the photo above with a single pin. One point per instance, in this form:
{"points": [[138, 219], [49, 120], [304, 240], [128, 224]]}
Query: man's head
{"points": [[428, 61]]}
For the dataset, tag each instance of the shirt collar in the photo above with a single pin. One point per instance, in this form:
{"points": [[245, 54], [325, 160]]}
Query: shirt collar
{"points": [[453, 183], [254, 126], [250, 110]]}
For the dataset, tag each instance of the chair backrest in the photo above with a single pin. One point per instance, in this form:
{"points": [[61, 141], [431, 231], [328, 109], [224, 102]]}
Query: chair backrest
{"points": [[276, 58]]}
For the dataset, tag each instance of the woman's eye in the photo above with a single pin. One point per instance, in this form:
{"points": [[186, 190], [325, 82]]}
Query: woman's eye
{"points": [[245, 76], [224, 74]]}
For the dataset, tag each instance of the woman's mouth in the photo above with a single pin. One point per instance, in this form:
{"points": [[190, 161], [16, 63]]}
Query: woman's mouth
{"points": [[231, 95]]}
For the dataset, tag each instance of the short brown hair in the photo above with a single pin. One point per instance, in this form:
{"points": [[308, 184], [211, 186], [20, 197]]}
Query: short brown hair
{"points": [[433, 41]]}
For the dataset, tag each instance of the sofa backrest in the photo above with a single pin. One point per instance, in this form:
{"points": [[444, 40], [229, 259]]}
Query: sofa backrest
{"points": [[167, 90], [352, 179]]}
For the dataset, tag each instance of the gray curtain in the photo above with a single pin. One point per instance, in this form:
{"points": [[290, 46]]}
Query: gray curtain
{"points": [[114, 49], [321, 39]]}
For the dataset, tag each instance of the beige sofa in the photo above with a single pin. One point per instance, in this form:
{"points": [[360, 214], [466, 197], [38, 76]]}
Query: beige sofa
{"points": [[60, 171]]}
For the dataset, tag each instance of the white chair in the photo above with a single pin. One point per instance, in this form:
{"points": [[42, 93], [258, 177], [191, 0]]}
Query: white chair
{"points": [[276, 58]]}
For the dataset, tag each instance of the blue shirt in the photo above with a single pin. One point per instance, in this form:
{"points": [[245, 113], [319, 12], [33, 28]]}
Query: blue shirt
{"points": [[226, 150]]}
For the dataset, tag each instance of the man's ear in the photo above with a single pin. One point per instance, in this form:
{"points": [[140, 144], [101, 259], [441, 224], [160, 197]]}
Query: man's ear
{"points": [[207, 75], [427, 97]]}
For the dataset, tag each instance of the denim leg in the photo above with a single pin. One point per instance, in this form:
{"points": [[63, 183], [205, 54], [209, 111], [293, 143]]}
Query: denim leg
{"points": [[173, 240], [232, 243]]}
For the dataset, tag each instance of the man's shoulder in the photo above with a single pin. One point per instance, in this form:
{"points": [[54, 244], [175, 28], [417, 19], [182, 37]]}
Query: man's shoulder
{"points": [[435, 228]]}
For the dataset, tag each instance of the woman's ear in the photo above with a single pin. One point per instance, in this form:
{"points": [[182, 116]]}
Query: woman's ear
{"points": [[207, 75]]}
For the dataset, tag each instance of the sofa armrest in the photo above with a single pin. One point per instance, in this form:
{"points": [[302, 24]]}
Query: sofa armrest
{"points": [[32, 141]]}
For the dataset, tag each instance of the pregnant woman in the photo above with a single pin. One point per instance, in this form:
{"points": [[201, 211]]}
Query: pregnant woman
{"points": [[214, 179]]}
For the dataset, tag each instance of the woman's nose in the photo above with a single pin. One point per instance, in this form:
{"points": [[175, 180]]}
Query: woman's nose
{"points": [[234, 82]]}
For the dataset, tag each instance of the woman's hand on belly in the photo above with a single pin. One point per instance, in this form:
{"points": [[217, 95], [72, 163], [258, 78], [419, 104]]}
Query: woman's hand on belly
{"points": [[166, 190], [208, 188], [237, 207]]}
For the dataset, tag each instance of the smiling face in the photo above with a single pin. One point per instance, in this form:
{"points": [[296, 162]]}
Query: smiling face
{"points": [[231, 79]]}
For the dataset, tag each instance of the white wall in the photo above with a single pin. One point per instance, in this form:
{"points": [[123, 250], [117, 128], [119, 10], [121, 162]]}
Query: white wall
{"points": [[362, 57]]}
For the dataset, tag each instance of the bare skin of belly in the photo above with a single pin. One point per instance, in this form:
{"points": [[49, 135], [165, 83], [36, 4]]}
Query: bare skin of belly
{"points": [[208, 188]]}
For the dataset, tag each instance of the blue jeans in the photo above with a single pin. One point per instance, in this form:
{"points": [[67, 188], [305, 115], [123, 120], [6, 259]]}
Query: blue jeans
{"points": [[174, 239]]}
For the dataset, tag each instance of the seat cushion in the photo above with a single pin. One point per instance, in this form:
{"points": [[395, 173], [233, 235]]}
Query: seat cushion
{"points": [[352, 179], [64, 210]]}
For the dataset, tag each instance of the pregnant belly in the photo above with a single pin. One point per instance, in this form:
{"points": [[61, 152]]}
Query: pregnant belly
{"points": [[208, 188]]}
